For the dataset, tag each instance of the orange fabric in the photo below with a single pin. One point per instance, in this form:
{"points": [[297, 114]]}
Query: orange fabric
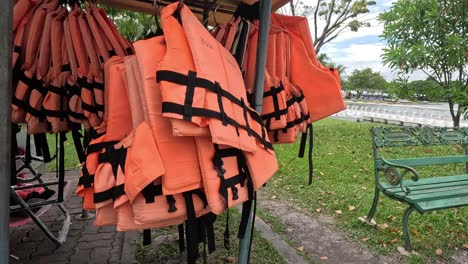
{"points": [[109, 29], [321, 87], [90, 95], [55, 102], [182, 170], [195, 50]]}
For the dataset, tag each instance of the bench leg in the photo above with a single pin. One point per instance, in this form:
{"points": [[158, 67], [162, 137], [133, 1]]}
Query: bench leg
{"points": [[406, 232], [373, 208]]}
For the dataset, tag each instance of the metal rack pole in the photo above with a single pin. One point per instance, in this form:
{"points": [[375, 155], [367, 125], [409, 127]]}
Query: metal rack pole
{"points": [[264, 27], [6, 21]]}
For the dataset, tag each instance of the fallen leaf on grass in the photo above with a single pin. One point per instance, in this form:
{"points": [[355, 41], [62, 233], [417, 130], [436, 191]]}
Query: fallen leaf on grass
{"points": [[414, 232], [465, 246], [460, 223], [323, 258], [383, 226], [365, 239], [301, 248], [318, 210], [438, 252], [351, 208], [339, 212], [231, 259], [364, 187], [394, 240], [273, 197], [321, 173]]}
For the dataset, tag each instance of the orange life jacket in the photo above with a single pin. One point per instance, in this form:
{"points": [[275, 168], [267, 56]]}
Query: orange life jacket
{"points": [[197, 89], [55, 102], [320, 86], [75, 112], [92, 94]]}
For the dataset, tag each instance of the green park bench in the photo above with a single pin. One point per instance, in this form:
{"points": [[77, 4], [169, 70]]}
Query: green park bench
{"points": [[399, 180]]}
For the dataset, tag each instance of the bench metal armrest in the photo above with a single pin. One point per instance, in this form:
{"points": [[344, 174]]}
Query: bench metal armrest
{"points": [[394, 177]]}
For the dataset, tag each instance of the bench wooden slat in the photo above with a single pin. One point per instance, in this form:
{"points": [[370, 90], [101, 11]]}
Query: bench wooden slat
{"points": [[442, 204], [434, 188], [437, 195], [426, 161], [423, 194], [429, 183]]}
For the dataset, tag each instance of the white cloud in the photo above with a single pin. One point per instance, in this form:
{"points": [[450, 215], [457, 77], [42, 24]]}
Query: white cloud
{"points": [[346, 50], [360, 56]]}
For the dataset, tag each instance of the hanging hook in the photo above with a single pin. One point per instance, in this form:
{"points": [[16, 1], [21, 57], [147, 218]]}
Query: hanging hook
{"points": [[213, 13], [179, 7]]}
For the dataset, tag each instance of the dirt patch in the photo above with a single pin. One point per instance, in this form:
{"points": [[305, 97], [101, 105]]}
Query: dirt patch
{"points": [[321, 241]]}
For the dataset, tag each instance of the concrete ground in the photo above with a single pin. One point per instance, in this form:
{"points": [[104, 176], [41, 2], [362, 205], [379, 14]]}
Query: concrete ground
{"points": [[86, 243]]}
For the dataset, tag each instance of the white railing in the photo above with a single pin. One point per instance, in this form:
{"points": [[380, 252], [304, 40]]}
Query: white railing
{"points": [[398, 114]]}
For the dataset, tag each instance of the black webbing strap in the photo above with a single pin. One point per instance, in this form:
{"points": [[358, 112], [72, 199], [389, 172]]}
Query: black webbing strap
{"points": [[201, 83], [98, 86], [219, 97], [57, 90], [171, 201], [273, 92], [96, 147], [311, 149], [17, 49], [147, 237], [191, 231], [208, 222], [244, 112], [129, 51], [191, 81], [61, 166], [42, 147], [180, 228], [116, 157], [178, 109], [247, 205], [83, 83], [111, 193], [151, 191], [302, 147], [86, 179], [78, 145], [90, 108], [65, 68]]}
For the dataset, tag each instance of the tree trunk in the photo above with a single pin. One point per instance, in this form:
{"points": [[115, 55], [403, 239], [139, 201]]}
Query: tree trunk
{"points": [[455, 115], [456, 120]]}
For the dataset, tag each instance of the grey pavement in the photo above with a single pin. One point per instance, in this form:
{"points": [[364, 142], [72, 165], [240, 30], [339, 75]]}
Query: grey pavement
{"points": [[86, 243]]}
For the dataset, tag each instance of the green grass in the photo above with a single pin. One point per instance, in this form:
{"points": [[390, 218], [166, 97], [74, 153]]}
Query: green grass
{"points": [[343, 177], [71, 159], [262, 250]]}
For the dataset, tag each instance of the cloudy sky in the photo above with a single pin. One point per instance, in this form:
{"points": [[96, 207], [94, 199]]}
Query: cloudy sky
{"points": [[362, 49]]}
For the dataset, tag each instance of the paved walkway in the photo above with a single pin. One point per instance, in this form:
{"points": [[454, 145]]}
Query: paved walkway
{"points": [[85, 243]]}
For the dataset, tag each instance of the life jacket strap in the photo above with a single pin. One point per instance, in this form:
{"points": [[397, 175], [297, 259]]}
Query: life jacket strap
{"points": [[76, 135], [86, 179], [116, 157], [147, 237], [96, 147], [201, 83], [111, 193], [302, 147]]}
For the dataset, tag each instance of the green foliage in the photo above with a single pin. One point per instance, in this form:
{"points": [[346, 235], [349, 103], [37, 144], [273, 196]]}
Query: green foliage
{"points": [[425, 90], [338, 15], [431, 36], [132, 25], [366, 80]]}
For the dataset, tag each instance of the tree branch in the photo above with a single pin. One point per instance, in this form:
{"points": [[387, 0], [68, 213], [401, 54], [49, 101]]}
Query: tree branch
{"points": [[315, 20]]}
